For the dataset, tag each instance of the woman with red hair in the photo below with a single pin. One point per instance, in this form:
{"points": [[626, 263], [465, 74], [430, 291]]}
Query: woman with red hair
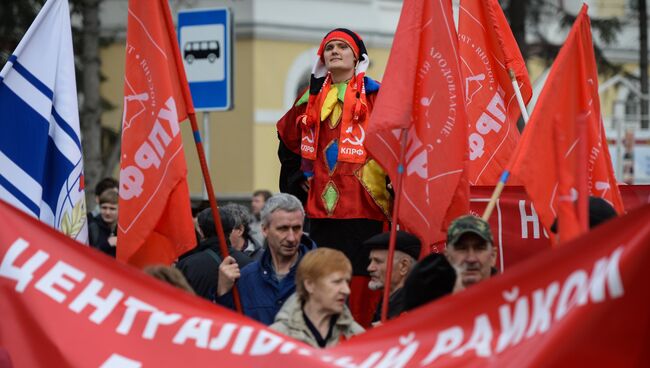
{"points": [[317, 313]]}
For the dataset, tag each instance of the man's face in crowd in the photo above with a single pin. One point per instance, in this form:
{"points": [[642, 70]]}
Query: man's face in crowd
{"points": [[257, 203], [472, 257], [108, 212], [377, 269], [283, 233]]}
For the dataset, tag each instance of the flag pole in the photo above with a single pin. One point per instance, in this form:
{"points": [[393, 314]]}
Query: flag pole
{"points": [[213, 202], [393, 228], [496, 194], [520, 99], [506, 174], [187, 96]]}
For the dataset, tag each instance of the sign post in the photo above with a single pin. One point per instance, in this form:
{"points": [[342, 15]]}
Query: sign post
{"points": [[205, 40]]}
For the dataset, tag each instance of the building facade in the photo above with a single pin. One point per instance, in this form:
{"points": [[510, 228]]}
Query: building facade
{"points": [[275, 43]]}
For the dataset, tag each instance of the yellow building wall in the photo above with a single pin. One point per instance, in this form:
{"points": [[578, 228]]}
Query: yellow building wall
{"points": [[610, 8], [231, 133], [112, 88], [231, 136], [242, 155]]}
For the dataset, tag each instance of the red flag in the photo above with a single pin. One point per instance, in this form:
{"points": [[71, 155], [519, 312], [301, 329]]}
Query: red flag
{"points": [[554, 310], [546, 158], [422, 92], [487, 51], [155, 220]]}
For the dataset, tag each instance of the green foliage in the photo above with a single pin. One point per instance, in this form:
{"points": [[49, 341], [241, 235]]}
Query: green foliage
{"points": [[15, 18], [538, 13], [17, 15]]}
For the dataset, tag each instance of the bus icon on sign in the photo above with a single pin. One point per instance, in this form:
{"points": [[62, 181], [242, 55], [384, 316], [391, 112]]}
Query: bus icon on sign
{"points": [[201, 50]]}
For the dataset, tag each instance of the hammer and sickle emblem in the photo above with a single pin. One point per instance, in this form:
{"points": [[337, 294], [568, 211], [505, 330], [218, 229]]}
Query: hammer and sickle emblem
{"points": [[307, 137], [358, 141]]}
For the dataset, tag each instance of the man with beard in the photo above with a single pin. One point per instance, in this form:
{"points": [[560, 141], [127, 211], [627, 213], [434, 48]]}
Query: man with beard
{"points": [[407, 250], [470, 250]]}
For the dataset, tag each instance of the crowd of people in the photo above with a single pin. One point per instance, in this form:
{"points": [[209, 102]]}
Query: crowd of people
{"points": [[310, 262], [302, 290]]}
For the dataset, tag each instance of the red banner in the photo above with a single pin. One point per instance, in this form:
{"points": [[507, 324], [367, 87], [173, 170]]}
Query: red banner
{"points": [[516, 226], [553, 160], [422, 95], [66, 305], [155, 219], [487, 51]]}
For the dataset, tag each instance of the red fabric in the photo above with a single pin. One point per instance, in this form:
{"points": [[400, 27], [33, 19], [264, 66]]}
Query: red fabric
{"points": [[422, 92], [585, 304], [363, 301], [309, 121], [155, 219], [515, 223], [353, 123], [354, 200], [546, 158], [487, 50]]}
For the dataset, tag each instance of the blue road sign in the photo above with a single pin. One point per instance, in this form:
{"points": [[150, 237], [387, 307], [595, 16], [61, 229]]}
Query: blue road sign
{"points": [[205, 41]]}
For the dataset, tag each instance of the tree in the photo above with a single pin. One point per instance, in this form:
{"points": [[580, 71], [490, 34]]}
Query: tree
{"points": [[100, 149], [529, 17], [642, 8], [91, 108], [15, 17]]}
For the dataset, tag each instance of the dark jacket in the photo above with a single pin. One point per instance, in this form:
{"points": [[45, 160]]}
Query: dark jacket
{"points": [[201, 269], [98, 233], [395, 306], [262, 295]]}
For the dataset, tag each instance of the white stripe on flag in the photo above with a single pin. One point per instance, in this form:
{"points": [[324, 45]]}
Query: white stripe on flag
{"points": [[47, 216], [30, 94], [64, 142], [21, 180], [9, 198]]}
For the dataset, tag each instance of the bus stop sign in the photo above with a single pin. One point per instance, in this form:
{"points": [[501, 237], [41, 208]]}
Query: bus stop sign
{"points": [[205, 42]]}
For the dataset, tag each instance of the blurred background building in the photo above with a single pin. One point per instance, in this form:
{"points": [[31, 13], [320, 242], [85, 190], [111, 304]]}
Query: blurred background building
{"points": [[274, 46]]}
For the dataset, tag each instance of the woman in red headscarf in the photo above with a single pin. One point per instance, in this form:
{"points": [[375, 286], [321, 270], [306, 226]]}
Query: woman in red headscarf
{"points": [[324, 161]]}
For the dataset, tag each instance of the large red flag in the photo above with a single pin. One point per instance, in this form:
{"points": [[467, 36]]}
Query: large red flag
{"points": [[488, 51], [547, 156], [155, 220], [582, 305], [422, 92]]}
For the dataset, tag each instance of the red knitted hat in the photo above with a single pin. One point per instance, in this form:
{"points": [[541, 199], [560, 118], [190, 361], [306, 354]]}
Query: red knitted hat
{"points": [[342, 34]]}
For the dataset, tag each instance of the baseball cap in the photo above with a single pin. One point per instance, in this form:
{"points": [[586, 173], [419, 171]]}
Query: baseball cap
{"points": [[469, 224]]}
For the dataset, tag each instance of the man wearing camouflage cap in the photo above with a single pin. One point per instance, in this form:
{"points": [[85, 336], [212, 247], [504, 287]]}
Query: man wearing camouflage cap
{"points": [[470, 250]]}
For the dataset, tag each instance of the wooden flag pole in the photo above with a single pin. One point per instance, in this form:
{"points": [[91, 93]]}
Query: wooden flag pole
{"points": [[520, 99], [187, 97], [495, 195], [393, 228], [506, 174], [213, 203]]}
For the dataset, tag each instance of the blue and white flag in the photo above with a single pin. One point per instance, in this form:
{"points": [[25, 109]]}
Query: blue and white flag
{"points": [[41, 168]]}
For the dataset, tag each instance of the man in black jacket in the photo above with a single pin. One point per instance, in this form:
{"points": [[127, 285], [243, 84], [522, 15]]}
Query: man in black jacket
{"points": [[201, 269]]}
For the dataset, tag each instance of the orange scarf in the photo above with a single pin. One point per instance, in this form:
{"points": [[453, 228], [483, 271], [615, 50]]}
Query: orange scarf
{"points": [[354, 121]]}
